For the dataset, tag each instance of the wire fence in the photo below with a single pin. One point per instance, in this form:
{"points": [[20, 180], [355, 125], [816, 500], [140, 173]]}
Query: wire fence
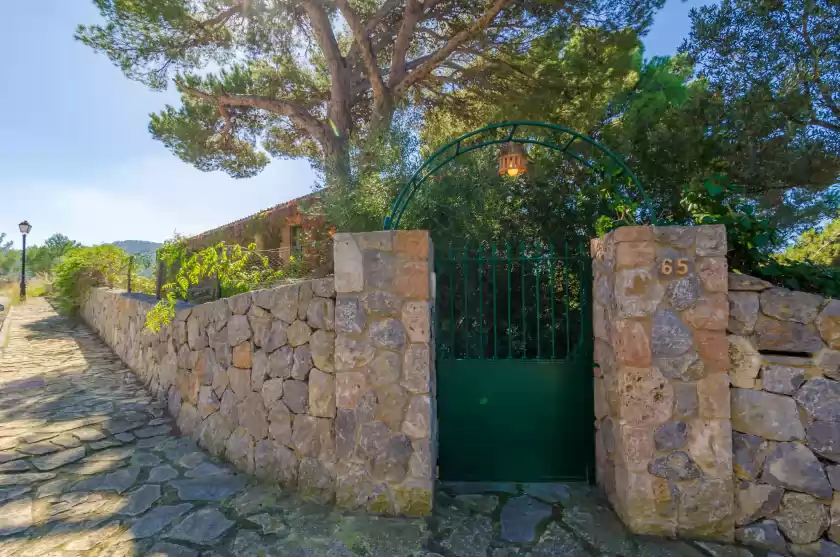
{"points": [[255, 270]]}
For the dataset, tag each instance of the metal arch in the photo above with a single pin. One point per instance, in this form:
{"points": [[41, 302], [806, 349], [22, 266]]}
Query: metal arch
{"points": [[431, 164]]}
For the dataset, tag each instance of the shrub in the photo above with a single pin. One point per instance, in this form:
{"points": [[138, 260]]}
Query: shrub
{"points": [[83, 268]]}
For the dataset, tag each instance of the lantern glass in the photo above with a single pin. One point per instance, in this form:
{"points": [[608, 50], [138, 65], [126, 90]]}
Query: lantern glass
{"points": [[25, 227], [513, 160]]}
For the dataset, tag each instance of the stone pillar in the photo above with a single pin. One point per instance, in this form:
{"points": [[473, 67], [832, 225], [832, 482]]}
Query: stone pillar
{"points": [[664, 437], [384, 361]]}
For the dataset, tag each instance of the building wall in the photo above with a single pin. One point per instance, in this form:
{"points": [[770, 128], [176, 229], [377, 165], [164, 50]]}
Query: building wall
{"points": [[785, 348]]}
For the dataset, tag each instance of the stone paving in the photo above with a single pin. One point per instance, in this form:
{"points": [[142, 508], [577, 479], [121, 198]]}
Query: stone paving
{"points": [[91, 466]]}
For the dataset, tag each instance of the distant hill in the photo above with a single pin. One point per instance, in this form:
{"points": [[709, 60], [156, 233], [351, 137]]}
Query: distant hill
{"points": [[137, 246]]}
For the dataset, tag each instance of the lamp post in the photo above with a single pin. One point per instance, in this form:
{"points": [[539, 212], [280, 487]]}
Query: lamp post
{"points": [[25, 227]]}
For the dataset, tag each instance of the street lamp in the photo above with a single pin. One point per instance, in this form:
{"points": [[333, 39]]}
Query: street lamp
{"points": [[25, 227]]}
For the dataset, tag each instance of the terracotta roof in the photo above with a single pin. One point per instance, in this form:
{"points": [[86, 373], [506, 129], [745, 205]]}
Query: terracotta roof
{"points": [[285, 205]]}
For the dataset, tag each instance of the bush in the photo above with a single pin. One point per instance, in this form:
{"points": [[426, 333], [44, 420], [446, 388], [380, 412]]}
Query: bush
{"points": [[81, 269]]}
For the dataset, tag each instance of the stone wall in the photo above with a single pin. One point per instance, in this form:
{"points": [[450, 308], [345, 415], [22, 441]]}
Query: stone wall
{"points": [[663, 438], [785, 349], [384, 360], [329, 396]]}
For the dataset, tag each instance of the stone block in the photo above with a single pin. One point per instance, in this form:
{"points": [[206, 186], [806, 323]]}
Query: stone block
{"points": [[349, 315], [274, 462], [801, 518], [713, 396], [280, 362], [746, 362], [348, 264], [325, 287], [296, 396], [828, 323], [305, 436], [321, 394], [687, 367], [412, 280], [633, 234], [242, 357], [387, 333], [280, 423], [706, 509], [631, 342], [271, 391], [239, 450], [676, 236], [381, 304], [824, 439], [238, 330], [746, 283], [301, 362], [828, 363], [390, 405], [834, 529], [353, 353], [254, 417], [767, 415], [414, 498], [416, 318], [315, 482], [647, 398], [208, 402], [682, 293], [820, 399], [239, 304], [240, 382], [304, 299], [637, 293], [763, 535], [631, 255], [756, 501], [349, 386], [710, 446], [787, 305], [418, 416], [385, 369], [322, 348], [392, 464], [711, 240], [321, 314], [345, 433], [713, 349], [298, 333], [685, 399], [743, 312], [412, 244], [783, 380], [713, 273], [793, 466], [710, 313], [634, 447]]}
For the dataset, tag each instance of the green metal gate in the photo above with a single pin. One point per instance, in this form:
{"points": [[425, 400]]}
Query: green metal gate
{"points": [[514, 363]]}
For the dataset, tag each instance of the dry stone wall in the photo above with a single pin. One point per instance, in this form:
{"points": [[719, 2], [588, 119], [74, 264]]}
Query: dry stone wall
{"points": [[663, 432], [785, 399], [330, 396]]}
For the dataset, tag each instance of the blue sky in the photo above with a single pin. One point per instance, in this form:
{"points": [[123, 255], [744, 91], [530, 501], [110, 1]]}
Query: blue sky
{"points": [[76, 156]]}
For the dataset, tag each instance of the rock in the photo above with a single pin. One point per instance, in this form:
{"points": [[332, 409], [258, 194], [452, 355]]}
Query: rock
{"points": [[802, 518], [482, 504], [743, 312], [685, 400], [321, 314], [240, 383], [820, 398], [720, 550], [763, 535], [315, 482], [674, 466], [207, 470], [118, 481], [254, 417], [208, 402], [381, 304], [39, 448], [670, 436], [276, 463], [213, 489], [392, 463], [709, 313], [238, 330], [834, 529], [16, 516], [828, 361], [230, 407], [349, 387], [785, 336], [598, 526], [349, 270], [56, 460], [349, 315], [549, 492], [416, 316], [304, 299], [154, 521], [520, 518], [298, 333], [165, 549], [794, 466], [272, 391], [683, 293], [824, 439], [767, 415], [828, 324], [321, 394], [647, 397], [745, 362], [469, 538], [749, 453], [322, 347], [161, 474], [305, 437], [280, 363], [270, 524], [239, 450], [417, 415], [747, 283], [705, 508], [390, 405], [787, 305], [385, 369], [387, 333], [670, 337], [324, 288], [242, 355], [280, 423], [784, 380], [301, 363], [202, 527], [345, 433], [296, 396], [140, 500], [755, 501], [275, 336], [352, 353], [416, 369], [215, 433]]}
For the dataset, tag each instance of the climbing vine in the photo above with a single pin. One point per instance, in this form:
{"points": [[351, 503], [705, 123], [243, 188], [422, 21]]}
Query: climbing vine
{"points": [[233, 268]]}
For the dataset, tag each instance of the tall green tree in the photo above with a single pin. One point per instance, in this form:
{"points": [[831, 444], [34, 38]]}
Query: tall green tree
{"points": [[310, 78], [42, 259], [819, 246]]}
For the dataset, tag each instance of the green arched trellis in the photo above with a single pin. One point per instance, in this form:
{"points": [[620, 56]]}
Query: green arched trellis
{"points": [[461, 146]]}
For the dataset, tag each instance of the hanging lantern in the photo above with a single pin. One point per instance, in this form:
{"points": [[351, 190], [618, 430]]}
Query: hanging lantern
{"points": [[513, 160]]}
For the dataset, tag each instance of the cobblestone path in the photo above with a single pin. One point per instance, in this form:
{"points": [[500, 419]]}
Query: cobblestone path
{"points": [[91, 466]]}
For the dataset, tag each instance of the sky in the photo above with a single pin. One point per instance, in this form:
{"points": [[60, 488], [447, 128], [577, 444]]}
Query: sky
{"points": [[76, 155]]}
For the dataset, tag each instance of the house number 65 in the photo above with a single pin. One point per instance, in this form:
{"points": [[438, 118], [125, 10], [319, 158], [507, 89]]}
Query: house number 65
{"points": [[667, 266]]}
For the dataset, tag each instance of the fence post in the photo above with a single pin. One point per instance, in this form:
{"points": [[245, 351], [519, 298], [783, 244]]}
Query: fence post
{"points": [[159, 285], [130, 263]]}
